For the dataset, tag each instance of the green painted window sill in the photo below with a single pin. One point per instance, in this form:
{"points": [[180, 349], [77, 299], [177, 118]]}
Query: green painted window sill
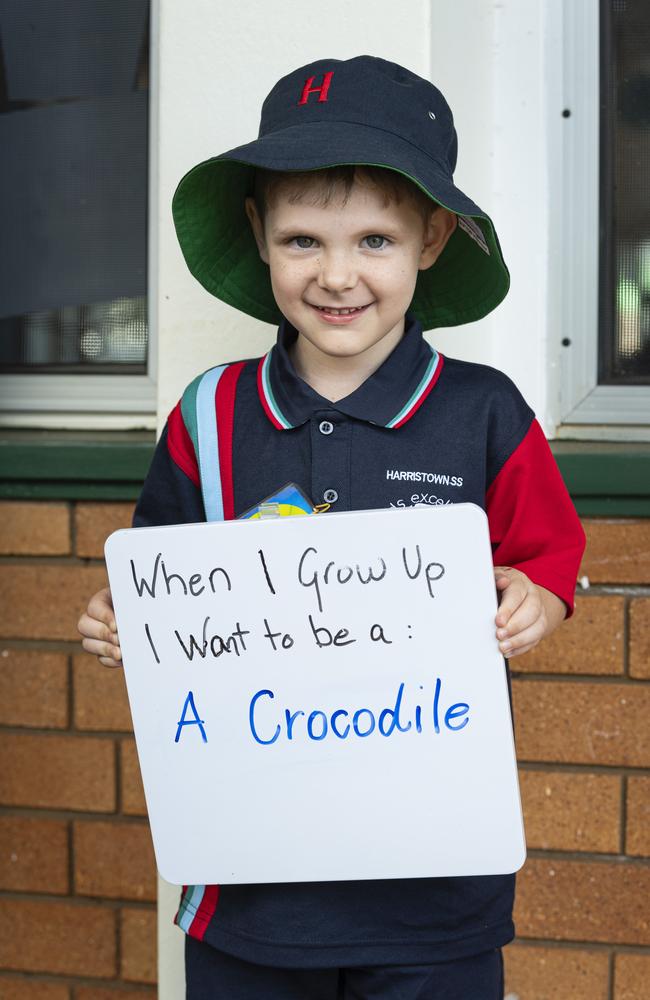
{"points": [[73, 465], [603, 478], [606, 479]]}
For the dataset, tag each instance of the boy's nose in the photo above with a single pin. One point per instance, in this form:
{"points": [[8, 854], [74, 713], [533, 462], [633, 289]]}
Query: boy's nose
{"points": [[336, 272]]}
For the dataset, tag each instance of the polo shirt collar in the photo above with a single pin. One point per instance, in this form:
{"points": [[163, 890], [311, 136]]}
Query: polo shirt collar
{"points": [[388, 398]]}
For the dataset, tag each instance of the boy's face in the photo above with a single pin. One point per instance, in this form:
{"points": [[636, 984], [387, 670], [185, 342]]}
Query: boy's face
{"points": [[362, 255]]}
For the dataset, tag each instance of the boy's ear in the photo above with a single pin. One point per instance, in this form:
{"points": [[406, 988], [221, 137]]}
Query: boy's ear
{"points": [[439, 228], [257, 226]]}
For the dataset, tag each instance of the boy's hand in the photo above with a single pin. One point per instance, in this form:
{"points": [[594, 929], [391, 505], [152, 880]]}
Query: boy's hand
{"points": [[526, 612], [99, 631]]}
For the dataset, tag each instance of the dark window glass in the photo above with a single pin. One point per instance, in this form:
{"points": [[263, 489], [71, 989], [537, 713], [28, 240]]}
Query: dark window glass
{"points": [[625, 192], [73, 185]]}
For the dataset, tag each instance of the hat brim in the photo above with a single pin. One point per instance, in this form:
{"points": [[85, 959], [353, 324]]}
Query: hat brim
{"points": [[468, 280]]}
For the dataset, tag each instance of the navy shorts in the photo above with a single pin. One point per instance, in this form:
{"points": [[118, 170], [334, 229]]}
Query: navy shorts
{"points": [[214, 975]]}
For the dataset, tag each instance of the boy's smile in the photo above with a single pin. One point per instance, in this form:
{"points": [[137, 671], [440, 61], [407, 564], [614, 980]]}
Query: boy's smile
{"points": [[344, 273]]}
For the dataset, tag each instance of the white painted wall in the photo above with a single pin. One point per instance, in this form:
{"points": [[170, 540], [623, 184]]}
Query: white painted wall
{"points": [[216, 64], [491, 59]]}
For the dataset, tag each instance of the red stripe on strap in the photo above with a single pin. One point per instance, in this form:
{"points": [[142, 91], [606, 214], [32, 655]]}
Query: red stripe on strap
{"points": [[418, 404], [180, 446], [205, 912], [262, 394], [225, 410]]}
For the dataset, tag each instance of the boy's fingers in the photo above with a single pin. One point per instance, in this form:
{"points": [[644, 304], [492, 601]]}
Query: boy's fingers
{"points": [[102, 649], [528, 612], [523, 641], [107, 662], [100, 606], [513, 595], [91, 628]]}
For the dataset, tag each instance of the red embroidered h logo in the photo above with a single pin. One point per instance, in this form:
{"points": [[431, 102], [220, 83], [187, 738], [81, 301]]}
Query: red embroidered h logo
{"points": [[321, 91]]}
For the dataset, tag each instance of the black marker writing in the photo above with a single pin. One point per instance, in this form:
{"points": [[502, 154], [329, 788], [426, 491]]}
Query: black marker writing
{"points": [[153, 648], [266, 572], [194, 586], [286, 641], [377, 635], [333, 574], [433, 571], [217, 644]]}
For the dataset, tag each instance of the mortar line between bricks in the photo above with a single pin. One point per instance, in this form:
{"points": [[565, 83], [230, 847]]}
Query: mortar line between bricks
{"points": [[79, 982], [606, 679], [73, 527], [577, 943], [72, 851], [610, 976], [65, 815], [623, 835], [614, 770], [612, 589], [587, 857], [70, 693], [119, 808], [626, 638], [71, 646], [581, 768], [45, 560], [77, 734], [118, 943], [113, 903], [70, 858]]}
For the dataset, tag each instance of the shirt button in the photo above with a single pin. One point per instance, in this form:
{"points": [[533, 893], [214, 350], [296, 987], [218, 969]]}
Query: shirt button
{"points": [[325, 427], [330, 496]]}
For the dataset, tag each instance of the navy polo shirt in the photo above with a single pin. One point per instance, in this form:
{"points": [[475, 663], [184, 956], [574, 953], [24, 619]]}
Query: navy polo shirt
{"points": [[421, 429]]}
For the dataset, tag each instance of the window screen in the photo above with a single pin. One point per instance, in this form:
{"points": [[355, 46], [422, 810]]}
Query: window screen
{"points": [[73, 185], [624, 355]]}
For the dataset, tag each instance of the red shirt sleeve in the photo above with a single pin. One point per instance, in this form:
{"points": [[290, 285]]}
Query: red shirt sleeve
{"points": [[533, 523]]}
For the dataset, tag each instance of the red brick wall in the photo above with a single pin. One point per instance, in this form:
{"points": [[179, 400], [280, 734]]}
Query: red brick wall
{"points": [[582, 716], [77, 878], [77, 875]]}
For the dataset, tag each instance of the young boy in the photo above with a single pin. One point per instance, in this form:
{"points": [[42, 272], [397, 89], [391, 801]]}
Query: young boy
{"points": [[342, 223]]}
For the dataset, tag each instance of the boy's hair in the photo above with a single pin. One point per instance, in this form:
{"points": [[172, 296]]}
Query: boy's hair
{"points": [[319, 187]]}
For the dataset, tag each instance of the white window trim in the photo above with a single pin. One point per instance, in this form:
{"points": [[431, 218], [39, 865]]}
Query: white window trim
{"points": [[587, 410], [100, 402]]}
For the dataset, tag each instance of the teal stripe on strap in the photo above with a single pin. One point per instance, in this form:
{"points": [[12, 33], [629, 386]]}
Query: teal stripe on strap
{"points": [[208, 456], [188, 411], [189, 905]]}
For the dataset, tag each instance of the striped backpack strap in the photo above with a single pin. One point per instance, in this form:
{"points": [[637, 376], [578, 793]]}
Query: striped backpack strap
{"points": [[208, 406]]}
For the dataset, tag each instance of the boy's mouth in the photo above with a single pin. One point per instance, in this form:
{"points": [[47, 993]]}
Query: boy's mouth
{"points": [[347, 311]]}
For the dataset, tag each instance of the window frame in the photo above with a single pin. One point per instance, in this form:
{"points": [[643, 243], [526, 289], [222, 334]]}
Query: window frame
{"points": [[101, 402], [587, 410]]}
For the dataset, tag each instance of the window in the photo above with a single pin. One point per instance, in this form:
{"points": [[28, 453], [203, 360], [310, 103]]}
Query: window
{"points": [[624, 354], [74, 87], [604, 221]]}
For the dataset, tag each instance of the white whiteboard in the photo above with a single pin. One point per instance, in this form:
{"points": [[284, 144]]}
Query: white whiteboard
{"points": [[378, 747]]}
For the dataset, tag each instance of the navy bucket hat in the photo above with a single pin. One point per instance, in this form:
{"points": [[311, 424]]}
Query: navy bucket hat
{"points": [[360, 111]]}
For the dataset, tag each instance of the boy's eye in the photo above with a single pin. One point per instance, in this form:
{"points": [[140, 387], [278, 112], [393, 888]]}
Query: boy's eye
{"points": [[376, 242], [304, 242]]}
